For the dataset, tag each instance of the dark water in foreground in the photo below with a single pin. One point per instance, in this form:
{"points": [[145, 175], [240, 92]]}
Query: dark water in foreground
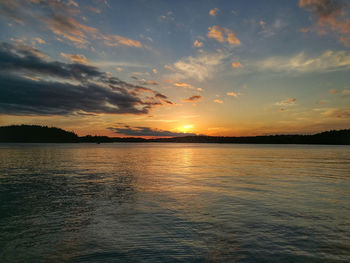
{"points": [[174, 203]]}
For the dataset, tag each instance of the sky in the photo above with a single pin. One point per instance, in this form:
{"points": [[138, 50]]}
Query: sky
{"points": [[173, 68]]}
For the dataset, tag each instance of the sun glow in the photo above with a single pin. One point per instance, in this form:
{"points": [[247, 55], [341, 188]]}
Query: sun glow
{"points": [[186, 128]]}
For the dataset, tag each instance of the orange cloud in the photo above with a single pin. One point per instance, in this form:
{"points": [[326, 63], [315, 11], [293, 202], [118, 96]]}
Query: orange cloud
{"points": [[197, 43], [193, 98], [182, 84], [236, 65], [116, 40], [214, 11], [330, 16], [39, 40], [233, 94], [344, 92], [223, 34], [75, 58], [333, 91], [78, 33], [218, 101], [70, 29]]}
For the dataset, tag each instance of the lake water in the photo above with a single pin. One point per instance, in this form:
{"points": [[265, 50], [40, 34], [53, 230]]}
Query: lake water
{"points": [[174, 203]]}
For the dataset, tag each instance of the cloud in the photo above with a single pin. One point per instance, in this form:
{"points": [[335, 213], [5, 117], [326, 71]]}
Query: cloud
{"points": [[119, 69], [168, 17], [39, 40], [233, 94], [148, 82], [286, 102], [327, 61], [75, 58], [70, 29], [199, 68], [116, 40], [73, 3], [93, 9], [65, 88], [223, 34], [337, 113], [304, 30], [273, 28], [197, 43], [193, 98], [262, 23], [330, 15], [146, 131], [344, 92], [12, 9], [57, 17], [214, 11], [77, 32], [155, 71], [236, 65], [218, 101], [182, 84]]}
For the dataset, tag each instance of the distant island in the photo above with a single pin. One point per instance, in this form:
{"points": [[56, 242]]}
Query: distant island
{"points": [[44, 134]]}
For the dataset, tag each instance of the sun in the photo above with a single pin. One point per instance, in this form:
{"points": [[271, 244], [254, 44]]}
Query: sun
{"points": [[186, 128]]}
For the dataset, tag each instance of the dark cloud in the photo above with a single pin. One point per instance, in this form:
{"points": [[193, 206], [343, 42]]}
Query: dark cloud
{"points": [[323, 8], [146, 131], [24, 58], [64, 88], [193, 98]]}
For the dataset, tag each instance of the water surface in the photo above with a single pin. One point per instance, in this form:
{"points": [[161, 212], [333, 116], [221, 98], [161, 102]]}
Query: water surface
{"points": [[174, 203]]}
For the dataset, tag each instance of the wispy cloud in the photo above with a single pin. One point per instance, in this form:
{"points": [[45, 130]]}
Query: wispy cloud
{"points": [[148, 82], [327, 61], [39, 40], [218, 101], [233, 94], [337, 113], [193, 98], [58, 17], [182, 84], [344, 92], [116, 40], [199, 68], [223, 34], [286, 102], [75, 58]]}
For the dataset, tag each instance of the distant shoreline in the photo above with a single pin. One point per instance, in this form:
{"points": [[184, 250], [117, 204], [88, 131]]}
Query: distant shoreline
{"points": [[44, 134]]}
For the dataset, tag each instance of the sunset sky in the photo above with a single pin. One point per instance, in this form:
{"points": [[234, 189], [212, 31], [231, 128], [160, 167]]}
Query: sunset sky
{"points": [[169, 68]]}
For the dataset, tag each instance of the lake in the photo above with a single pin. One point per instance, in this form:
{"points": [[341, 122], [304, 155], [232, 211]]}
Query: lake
{"points": [[161, 202]]}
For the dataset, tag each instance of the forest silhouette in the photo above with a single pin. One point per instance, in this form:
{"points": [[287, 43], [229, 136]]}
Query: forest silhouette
{"points": [[45, 134]]}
